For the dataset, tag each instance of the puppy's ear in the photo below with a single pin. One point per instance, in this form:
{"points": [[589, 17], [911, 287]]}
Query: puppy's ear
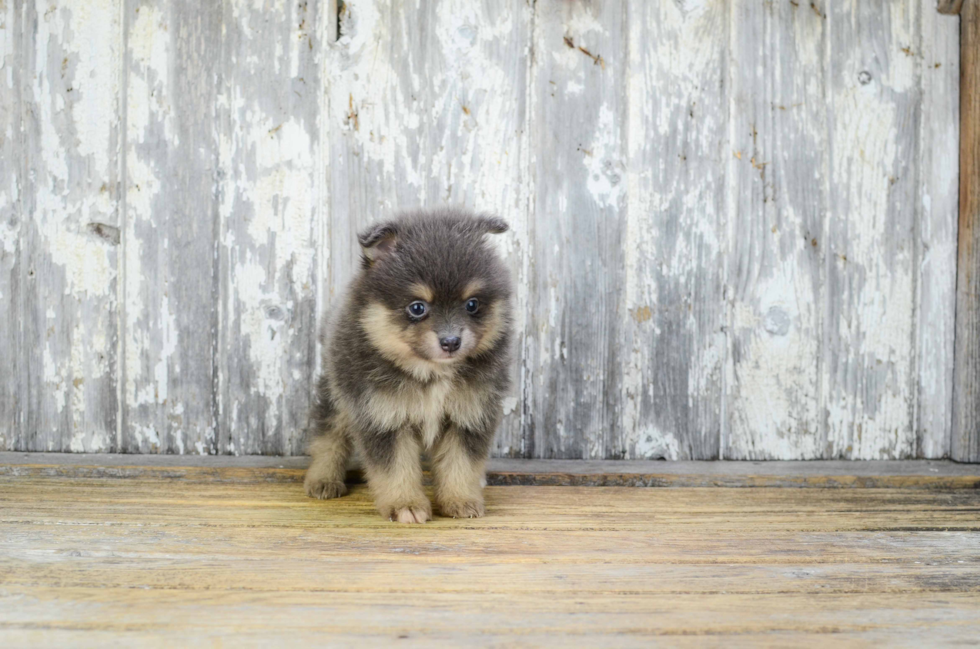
{"points": [[492, 224], [378, 240]]}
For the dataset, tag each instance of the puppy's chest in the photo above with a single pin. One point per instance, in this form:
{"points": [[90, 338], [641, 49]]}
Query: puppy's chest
{"points": [[426, 408], [431, 411]]}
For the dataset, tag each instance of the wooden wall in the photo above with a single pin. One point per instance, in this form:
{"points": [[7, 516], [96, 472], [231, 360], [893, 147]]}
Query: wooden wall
{"points": [[733, 222]]}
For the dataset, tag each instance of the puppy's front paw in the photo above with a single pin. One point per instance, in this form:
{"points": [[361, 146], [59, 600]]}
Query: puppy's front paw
{"points": [[325, 489], [414, 513], [411, 515], [462, 508]]}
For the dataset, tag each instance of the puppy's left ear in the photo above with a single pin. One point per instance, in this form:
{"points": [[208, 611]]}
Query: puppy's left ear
{"points": [[378, 240], [492, 224]]}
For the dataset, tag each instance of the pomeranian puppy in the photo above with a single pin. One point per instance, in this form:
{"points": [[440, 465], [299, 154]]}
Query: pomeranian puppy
{"points": [[417, 360]]}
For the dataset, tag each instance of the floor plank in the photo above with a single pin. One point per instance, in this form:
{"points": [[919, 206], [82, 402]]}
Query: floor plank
{"points": [[102, 561]]}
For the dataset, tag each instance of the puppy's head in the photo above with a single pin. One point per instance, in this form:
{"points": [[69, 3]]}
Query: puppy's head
{"points": [[434, 291]]}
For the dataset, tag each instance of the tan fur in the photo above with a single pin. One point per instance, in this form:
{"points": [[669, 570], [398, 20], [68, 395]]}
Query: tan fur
{"points": [[423, 292], [328, 467], [458, 479], [472, 289], [388, 339], [467, 404], [423, 407], [492, 332], [397, 489]]}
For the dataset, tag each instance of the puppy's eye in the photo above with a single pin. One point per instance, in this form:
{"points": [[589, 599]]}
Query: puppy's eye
{"points": [[418, 309], [472, 305]]}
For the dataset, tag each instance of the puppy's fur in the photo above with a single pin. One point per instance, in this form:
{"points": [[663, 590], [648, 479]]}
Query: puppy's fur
{"points": [[396, 383]]}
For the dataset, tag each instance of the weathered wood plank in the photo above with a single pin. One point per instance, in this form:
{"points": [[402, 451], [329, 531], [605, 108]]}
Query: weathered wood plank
{"points": [[778, 166], [256, 504], [577, 299], [937, 204], [512, 546], [869, 233], [171, 302], [69, 225], [616, 141], [12, 172], [375, 130], [70, 616], [427, 107], [966, 391], [673, 325], [268, 143], [595, 578], [102, 560]]}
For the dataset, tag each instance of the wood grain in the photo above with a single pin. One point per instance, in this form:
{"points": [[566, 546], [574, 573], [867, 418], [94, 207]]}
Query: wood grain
{"points": [[938, 208], [13, 170], [68, 198], [966, 396], [97, 561], [267, 108], [673, 327], [732, 222], [869, 234], [576, 307], [171, 231], [778, 164]]}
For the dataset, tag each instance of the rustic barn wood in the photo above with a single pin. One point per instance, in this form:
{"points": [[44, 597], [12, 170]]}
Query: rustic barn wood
{"points": [[60, 200], [673, 327], [733, 222], [779, 160], [12, 168], [966, 404], [106, 561], [937, 202], [170, 239]]}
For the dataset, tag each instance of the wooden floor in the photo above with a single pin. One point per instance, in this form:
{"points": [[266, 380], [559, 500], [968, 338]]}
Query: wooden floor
{"points": [[237, 559]]}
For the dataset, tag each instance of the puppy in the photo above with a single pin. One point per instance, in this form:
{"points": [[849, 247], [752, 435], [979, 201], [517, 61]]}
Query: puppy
{"points": [[416, 361]]}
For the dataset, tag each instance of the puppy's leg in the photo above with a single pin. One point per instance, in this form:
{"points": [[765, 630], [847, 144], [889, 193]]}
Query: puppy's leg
{"points": [[459, 471], [394, 472], [330, 449]]}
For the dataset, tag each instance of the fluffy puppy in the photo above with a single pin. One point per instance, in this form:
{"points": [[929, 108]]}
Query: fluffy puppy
{"points": [[416, 361]]}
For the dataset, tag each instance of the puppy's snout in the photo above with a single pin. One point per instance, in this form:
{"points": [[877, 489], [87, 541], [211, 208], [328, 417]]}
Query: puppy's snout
{"points": [[449, 343]]}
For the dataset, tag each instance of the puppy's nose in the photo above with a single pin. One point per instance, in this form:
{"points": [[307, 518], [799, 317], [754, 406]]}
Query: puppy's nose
{"points": [[449, 343]]}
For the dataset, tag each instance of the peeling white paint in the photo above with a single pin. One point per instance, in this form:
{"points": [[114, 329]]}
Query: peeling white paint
{"points": [[719, 323], [653, 444]]}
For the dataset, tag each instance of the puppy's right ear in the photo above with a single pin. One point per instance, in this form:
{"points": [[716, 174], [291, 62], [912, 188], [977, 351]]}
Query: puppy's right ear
{"points": [[492, 224], [378, 240]]}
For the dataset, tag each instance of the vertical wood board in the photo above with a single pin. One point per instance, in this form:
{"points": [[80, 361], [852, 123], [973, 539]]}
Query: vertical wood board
{"points": [[778, 164], [170, 235], [733, 223], [268, 203], [673, 326], [578, 154], [965, 443], [68, 221]]}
